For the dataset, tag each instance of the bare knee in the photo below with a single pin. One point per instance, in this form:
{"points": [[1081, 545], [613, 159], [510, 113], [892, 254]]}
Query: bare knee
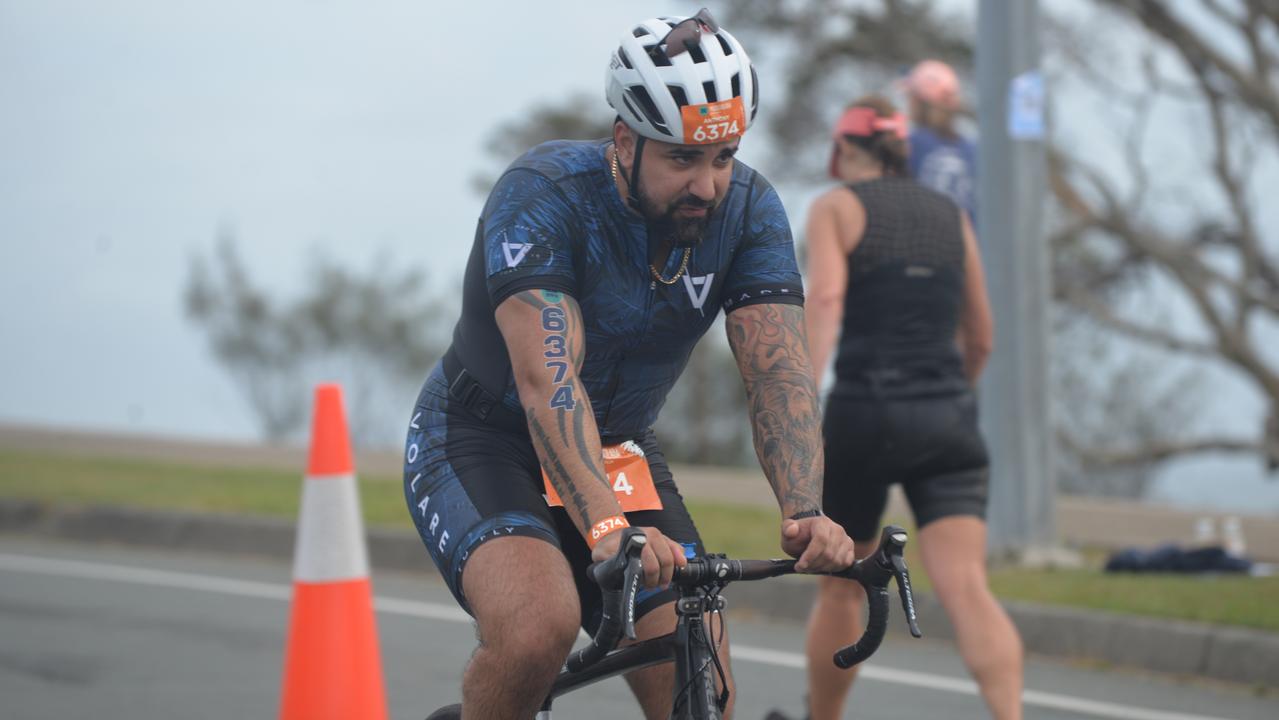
{"points": [[954, 555], [524, 600], [535, 640], [962, 586]]}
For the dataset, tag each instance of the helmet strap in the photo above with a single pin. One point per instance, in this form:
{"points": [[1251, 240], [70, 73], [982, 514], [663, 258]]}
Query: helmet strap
{"points": [[632, 189]]}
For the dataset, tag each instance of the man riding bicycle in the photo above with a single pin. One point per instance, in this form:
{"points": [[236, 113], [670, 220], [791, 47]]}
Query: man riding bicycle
{"points": [[596, 267]]}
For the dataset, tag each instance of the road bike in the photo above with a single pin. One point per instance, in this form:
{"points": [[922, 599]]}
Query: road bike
{"points": [[691, 646]]}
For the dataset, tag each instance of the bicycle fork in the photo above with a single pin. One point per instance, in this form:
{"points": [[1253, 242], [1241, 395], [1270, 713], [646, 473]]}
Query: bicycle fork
{"points": [[695, 697]]}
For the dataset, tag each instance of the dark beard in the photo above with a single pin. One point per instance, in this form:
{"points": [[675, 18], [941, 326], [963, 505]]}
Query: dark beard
{"points": [[683, 232]]}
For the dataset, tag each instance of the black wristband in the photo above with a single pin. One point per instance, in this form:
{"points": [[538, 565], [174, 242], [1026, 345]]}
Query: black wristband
{"points": [[806, 514]]}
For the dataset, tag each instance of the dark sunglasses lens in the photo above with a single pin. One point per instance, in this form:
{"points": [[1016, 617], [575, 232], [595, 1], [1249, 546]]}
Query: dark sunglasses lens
{"points": [[703, 17], [680, 36], [689, 31]]}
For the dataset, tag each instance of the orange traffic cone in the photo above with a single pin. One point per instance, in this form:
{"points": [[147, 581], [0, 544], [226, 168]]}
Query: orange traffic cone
{"points": [[332, 668]]}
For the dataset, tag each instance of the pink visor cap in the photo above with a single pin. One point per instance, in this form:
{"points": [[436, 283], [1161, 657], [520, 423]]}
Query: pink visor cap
{"points": [[864, 122]]}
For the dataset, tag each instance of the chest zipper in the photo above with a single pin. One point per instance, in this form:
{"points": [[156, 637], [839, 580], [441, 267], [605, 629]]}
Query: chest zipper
{"points": [[621, 360], [612, 389]]}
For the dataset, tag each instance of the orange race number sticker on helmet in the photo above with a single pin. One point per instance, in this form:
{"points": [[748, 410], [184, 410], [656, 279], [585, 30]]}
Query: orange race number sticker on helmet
{"points": [[713, 122]]}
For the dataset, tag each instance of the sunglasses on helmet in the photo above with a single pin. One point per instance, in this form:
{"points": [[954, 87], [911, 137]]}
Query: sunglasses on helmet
{"points": [[687, 33]]}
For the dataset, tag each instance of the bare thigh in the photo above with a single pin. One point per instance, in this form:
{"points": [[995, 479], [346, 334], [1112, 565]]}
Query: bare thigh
{"points": [[520, 588], [953, 550]]}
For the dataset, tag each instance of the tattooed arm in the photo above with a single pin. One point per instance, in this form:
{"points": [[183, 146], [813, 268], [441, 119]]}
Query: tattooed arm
{"points": [[546, 342], [772, 354], [543, 332]]}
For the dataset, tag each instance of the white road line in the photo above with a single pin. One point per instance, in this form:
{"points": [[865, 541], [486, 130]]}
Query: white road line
{"points": [[144, 576], [449, 613], [968, 687]]}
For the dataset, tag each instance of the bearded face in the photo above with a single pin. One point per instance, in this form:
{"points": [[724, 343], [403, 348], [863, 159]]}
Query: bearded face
{"points": [[680, 185], [684, 220]]}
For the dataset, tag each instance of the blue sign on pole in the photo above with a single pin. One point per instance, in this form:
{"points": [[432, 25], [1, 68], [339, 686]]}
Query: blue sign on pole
{"points": [[1026, 106]]}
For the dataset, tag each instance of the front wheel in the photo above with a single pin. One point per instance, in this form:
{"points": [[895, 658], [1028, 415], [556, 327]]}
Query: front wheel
{"points": [[452, 712]]}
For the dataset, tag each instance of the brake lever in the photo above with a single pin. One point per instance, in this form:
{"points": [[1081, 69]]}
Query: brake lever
{"points": [[874, 573], [630, 581], [903, 587], [893, 544]]}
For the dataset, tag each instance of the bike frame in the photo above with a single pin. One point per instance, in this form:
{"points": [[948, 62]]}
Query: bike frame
{"points": [[689, 646], [690, 656]]}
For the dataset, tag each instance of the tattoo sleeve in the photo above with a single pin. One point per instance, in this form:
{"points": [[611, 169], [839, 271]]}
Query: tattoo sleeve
{"points": [[769, 343], [546, 342]]}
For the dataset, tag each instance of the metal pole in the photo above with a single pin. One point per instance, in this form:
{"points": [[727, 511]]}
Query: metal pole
{"points": [[1015, 387]]}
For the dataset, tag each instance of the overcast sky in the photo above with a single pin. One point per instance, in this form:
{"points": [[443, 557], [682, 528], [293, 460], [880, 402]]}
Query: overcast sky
{"points": [[133, 130]]}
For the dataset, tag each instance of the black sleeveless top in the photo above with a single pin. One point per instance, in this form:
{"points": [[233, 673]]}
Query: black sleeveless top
{"points": [[905, 290]]}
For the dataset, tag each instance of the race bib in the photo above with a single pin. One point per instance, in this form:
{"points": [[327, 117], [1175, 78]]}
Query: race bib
{"points": [[713, 122], [629, 476]]}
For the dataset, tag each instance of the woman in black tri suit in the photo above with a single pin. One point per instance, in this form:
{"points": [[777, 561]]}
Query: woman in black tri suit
{"points": [[896, 292]]}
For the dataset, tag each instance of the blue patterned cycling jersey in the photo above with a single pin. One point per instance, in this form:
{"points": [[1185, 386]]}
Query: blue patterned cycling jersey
{"points": [[555, 221]]}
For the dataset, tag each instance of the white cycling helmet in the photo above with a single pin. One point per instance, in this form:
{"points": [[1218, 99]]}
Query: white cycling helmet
{"points": [[683, 81]]}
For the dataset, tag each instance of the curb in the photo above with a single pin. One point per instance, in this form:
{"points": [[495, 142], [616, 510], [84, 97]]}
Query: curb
{"points": [[1232, 654]]}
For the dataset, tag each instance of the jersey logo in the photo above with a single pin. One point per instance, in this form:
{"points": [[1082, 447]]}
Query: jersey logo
{"points": [[514, 252], [699, 287]]}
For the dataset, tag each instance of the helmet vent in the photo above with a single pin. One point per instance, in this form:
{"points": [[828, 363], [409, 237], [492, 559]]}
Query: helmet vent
{"points": [[659, 58], [736, 84], [728, 49], [647, 107], [677, 92], [626, 100], [695, 52], [708, 87], [626, 59]]}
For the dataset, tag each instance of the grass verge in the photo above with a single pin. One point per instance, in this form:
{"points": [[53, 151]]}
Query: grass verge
{"points": [[740, 531]]}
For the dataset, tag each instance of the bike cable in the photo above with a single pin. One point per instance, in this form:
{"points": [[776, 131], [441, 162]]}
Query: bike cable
{"points": [[713, 645], [712, 655]]}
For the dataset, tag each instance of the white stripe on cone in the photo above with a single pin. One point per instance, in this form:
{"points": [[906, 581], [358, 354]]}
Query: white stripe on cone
{"points": [[330, 538]]}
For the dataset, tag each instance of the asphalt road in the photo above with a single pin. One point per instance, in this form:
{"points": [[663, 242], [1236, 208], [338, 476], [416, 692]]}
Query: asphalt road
{"points": [[110, 632]]}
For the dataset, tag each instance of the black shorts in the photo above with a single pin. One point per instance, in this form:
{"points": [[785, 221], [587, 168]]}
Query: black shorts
{"points": [[467, 482], [931, 445]]}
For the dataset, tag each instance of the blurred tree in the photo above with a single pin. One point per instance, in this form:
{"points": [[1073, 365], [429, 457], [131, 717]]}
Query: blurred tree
{"points": [[377, 333], [251, 338], [1217, 62], [579, 117], [1112, 386]]}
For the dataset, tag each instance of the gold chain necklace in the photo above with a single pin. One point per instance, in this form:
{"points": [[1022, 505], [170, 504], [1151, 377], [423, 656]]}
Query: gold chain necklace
{"points": [[683, 266]]}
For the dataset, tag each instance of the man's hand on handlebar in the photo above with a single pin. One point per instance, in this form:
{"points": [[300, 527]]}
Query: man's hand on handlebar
{"points": [[822, 544], [819, 543], [660, 558]]}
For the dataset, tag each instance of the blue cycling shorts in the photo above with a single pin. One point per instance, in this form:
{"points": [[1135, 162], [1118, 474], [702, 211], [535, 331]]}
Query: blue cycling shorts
{"points": [[468, 481]]}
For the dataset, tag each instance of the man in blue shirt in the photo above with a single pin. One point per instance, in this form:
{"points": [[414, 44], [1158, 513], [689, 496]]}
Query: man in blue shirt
{"points": [[595, 269], [940, 158]]}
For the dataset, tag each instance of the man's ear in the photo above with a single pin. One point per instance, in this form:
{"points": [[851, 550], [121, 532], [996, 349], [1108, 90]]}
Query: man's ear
{"points": [[624, 141]]}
